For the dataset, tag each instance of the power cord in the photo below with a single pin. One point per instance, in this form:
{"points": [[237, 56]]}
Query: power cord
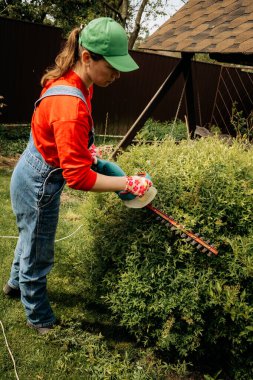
{"points": [[8, 347], [66, 237]]}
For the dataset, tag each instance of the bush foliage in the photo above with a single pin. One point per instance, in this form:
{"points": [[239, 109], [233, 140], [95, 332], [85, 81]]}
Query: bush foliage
{"points": [[13, 140], [156, 130], [191, 307]]}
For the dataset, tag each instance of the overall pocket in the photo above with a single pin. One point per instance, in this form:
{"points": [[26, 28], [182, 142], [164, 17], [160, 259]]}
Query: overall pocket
{"points": [[52, 187]]}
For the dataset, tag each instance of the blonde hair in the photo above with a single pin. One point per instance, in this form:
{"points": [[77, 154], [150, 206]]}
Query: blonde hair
{"points": [[66, 59]]}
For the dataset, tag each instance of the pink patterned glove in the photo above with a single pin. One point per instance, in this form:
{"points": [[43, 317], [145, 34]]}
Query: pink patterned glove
{"points": [[137, 185], [95, 152]]}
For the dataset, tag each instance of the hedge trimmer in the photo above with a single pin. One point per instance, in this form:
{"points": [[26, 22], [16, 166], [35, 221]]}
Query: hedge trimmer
{"points": [[112, 169], [195, 239]]}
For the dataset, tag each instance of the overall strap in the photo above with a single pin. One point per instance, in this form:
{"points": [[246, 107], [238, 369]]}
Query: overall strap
{"points": [[62, 90], [72, 91]]}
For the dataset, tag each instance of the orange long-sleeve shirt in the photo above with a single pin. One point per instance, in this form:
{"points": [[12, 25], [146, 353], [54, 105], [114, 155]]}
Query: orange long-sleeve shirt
{"points": [[60, 129]]}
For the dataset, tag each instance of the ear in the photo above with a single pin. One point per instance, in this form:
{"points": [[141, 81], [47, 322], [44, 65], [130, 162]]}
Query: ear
{"points": [[85, 57]]}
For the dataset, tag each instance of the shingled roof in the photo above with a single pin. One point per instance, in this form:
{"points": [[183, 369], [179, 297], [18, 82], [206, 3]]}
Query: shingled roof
{"points": [[207, 26]]}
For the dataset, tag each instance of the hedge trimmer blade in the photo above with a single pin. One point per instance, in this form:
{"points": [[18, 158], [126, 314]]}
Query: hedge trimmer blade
{"points": [[202, 245]]}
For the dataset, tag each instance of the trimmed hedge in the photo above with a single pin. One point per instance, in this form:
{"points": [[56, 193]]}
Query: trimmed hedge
{"points": [[192, 307]]}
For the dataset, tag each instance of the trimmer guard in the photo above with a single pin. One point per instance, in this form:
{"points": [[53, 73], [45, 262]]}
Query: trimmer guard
{"points": [[140, 202]]}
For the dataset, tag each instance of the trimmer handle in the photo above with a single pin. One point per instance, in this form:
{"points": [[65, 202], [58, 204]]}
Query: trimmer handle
{"points": [[111, 169], [130, 200]]}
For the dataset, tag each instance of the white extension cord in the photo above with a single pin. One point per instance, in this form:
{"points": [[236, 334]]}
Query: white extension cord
{"points": [[8, 347], [66, 237]]}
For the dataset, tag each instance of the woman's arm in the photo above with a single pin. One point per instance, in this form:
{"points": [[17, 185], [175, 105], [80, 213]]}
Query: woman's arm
{"points": [[106, 183]]}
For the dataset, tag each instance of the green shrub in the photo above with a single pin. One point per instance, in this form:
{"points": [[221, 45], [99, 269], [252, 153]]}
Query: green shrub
{"points": [[156, 130], [242, 126], [190, 306], [13, 140]]}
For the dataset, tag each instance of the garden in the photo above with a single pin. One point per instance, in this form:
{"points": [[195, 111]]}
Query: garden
{"points": [[135, 300]]}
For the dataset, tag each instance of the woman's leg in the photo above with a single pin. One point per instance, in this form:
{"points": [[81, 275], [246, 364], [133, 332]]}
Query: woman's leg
{"points": [[35, 194], [14, 276], [36, 262]]}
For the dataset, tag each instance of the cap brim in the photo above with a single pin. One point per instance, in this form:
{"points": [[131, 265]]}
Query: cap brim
{"points": [[122, 63]]}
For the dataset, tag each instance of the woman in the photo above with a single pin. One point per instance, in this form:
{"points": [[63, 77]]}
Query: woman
{"points": [[59, 152]]}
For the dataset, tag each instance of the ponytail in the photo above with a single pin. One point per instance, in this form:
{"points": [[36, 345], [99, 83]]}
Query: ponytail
{"points": [[66, 59]]}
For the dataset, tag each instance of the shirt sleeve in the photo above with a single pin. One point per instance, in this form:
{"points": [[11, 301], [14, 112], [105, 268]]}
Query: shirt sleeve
{"points": [[71, 138]]}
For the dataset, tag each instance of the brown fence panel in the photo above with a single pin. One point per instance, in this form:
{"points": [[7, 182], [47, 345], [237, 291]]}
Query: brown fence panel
{"points": [[121, 103], [27, 49], [235, 86], [216, 87]]}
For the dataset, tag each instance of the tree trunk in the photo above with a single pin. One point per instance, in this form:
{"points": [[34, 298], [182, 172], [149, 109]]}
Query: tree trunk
{"points": [[137, 24], [124, 11]]}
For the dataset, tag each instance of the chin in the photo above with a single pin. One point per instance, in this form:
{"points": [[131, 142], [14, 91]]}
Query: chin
{"points": [[103, 84]]}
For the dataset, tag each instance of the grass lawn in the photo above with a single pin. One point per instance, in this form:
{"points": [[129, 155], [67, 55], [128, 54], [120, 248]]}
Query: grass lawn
{"points": [[86, 344]]}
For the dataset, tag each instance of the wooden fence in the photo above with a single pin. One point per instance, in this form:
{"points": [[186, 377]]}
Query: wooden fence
{"points": [[28, 49]]}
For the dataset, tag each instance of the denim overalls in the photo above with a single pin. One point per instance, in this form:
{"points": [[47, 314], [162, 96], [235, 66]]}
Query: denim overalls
{"points": [[36, 188]]}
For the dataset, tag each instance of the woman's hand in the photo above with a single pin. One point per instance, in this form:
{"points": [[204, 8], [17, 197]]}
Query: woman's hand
{"points": [[137, 185]]}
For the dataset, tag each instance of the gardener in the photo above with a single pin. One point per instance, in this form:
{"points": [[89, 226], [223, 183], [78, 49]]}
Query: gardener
{"points": [[61, 150]]}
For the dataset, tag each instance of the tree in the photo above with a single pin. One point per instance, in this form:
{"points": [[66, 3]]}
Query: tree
{"points": [[134, 15], [65, 14]]}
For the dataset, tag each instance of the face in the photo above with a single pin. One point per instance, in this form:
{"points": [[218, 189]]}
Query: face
{"points": [[102, 73], [99, 72]]}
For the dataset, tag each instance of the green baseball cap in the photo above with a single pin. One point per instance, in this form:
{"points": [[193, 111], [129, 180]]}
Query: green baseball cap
{"points": [[108, 38]]}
